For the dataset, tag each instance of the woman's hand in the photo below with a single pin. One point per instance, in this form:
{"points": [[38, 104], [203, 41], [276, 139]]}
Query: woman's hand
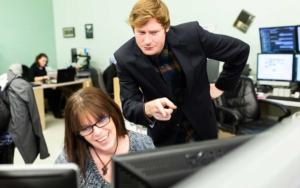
{"points": [[46, 77]]}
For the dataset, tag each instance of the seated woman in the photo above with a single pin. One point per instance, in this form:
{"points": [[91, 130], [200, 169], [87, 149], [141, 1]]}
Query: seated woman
{"points": [[37, 72], [94, 132]]}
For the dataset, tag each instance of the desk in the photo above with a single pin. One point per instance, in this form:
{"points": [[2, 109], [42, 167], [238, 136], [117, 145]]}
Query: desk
{"points": [[39, 95], [287, 103], [269, 109]]}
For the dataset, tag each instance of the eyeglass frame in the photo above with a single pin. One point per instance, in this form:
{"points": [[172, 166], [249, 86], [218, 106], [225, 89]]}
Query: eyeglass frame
{"points": [[95, 124]]}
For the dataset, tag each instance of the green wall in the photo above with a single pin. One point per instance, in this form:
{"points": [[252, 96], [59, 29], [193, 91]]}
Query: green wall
{"points": [[26, 29]]}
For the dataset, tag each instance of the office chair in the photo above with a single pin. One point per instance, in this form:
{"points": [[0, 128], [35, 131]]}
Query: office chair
{"points": [[239, 110], [25, 72], [97, 79], [108, 77]]}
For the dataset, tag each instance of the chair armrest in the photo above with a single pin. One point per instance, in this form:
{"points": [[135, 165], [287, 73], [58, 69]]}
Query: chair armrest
{"points": [[285, 109], [237, 116]]}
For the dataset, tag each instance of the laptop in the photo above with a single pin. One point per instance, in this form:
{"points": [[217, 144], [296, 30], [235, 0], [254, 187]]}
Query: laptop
{"points": [[64, 75]]}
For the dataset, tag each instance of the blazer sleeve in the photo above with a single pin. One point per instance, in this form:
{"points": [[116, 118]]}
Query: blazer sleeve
{"points": [[130, 95], [233, 52]]}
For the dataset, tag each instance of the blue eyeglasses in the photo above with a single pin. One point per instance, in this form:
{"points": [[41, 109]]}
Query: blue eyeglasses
{"points": [[102, 122]]}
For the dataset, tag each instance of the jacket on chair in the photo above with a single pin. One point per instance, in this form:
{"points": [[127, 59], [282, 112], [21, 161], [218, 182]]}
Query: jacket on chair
{"points": [[25, 125]]}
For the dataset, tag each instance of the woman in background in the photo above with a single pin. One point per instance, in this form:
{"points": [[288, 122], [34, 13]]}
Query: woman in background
{"points": [[94, 132], [38, 73]]}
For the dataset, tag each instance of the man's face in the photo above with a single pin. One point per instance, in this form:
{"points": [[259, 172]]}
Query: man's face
{"points": [[151, 37]]}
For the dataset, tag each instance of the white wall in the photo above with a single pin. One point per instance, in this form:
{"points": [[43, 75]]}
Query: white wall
{"points": [[111, 31]]}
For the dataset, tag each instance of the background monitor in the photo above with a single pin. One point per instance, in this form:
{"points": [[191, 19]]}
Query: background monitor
{"points": [[298, 31], [34, 176], [212, 70], [73, 55], [112, 60], [278, 39], [297, 68], [165, 166], [275, 69]]}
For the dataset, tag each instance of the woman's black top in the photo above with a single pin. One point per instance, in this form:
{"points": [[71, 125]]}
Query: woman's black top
{"points": [[35, 71]]}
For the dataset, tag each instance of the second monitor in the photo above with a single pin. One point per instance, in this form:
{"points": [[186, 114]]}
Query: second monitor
{"points": [[297, 68], [298, 31], [275, 69]]}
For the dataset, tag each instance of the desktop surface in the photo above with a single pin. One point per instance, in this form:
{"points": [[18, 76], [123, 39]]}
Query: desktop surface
{"points": [[288, 101], [283, 98]]}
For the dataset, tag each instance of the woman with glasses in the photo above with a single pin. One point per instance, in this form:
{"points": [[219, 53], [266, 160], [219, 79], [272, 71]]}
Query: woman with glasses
{"points": [[94, 132]]}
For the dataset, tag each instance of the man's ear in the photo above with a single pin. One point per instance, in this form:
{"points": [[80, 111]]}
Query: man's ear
{"points": [[167, 29]]}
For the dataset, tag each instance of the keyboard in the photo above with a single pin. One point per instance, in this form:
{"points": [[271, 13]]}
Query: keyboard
{"points": [[35, 84], [283, 98]]}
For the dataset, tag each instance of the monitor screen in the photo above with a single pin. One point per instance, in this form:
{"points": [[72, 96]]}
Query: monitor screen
{"points": [[278, 39], [112, 60], [297, 68], [298, 31], [165, 166], [35, 176], [275, 67]]}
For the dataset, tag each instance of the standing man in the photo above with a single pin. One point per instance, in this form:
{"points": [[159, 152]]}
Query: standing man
{"points": [[163, 79]]}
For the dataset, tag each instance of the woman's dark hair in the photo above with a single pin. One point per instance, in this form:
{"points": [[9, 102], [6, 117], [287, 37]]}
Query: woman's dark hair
{"points": [[95, 102], [38, 57]]}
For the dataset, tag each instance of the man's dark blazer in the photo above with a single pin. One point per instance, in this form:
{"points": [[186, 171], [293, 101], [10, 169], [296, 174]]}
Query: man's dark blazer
{"points": [[191, 45]]}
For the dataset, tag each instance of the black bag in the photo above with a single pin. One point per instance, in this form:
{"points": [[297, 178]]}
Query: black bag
{"points": [[4, 114]]}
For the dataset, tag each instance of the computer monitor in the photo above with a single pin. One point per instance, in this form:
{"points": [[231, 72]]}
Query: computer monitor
{"points": [[165, 166], [271, 159], [298, 31], [212, 70], [297, 68], [112, 60], [275, 69], [36, 176], [278, 39]]}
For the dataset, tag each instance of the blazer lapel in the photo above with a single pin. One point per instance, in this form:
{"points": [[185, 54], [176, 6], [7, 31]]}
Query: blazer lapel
{"points": [[180, 51], [144, 64]]}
